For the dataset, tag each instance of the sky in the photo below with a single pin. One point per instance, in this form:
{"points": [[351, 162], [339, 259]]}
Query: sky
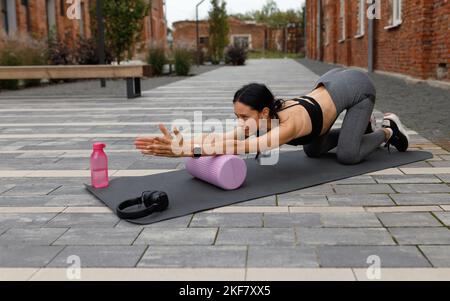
{"points": [[177, 10]]}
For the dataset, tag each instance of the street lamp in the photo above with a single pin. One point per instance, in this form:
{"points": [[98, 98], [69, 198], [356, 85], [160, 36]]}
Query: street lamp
{"points": [[196, 25], [101, 37]]}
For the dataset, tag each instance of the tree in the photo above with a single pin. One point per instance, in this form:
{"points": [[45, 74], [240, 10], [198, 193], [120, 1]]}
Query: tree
{"points": [[218, 30], [271, 15], [123, 24]]}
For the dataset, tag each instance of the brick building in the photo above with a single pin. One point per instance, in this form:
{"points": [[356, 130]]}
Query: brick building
{"points": [[250, 34], [405, 37], [38, 17]]}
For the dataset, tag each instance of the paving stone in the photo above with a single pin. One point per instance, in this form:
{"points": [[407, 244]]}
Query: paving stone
{"points": [[440, 163], [359, 256], [444, 217], [444, 177], [25, 219], [179, 222], [360, 200], [363, 188], [100, 256], [438, 255], [420, 188], [421, 236], [421, 199], [31, 190], [235, 220], [194, 257], [174, 236], [288, 199], [24, 201], [343, 236], [288, 220], [407, 179], [363, 179], [4, 188], [73, 200], [83, 220], [98, 236], [322, 189], [27, 256], [282, 256], [350, 220], [31, 236], [255, 236], [410, 219]]}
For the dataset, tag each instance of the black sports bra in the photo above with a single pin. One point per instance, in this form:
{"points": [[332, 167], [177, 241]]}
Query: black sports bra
{"points": [[315, 112]]}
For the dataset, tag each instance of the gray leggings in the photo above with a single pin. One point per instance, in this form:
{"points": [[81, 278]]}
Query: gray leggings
{"points": [[351, 90]]}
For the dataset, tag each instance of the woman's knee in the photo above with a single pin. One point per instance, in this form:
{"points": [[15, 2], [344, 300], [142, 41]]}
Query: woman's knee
{"points": [[348, 157]]}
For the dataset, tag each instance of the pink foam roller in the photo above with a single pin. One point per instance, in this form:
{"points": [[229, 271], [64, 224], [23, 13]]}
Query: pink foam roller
{"points": [[225, 171]]}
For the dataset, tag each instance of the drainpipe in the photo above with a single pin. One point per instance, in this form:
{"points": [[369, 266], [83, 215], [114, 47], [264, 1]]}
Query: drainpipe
{"points": [[319, 34], [305, 35], [370, 48]]}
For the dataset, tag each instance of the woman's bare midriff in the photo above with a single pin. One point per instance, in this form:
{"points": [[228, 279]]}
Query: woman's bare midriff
{"points": [[326, 103]]}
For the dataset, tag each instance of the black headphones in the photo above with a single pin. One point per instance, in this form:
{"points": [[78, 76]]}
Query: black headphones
{"points": [[153, 201]]}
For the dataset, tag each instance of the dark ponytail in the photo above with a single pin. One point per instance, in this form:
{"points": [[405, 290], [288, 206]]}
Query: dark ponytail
{"points": [[258, 97]]}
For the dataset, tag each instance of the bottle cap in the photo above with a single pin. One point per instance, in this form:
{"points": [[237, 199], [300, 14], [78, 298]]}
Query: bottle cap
{"points": [[99, 145]]}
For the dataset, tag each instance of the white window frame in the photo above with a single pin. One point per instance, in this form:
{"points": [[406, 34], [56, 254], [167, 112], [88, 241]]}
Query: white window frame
{"points": [[249, 36], [395, 19], [361, 16], [342, 35]]}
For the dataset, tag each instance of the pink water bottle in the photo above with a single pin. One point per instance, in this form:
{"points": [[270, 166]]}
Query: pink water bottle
{"points": [[99, 166]]}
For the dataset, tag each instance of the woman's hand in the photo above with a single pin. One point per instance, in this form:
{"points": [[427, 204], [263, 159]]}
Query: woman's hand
{"points": [[164, 146]]}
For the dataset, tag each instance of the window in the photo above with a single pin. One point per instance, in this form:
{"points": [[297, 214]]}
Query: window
{"points": [[3, 15], [241, 41], [51, 15], [204, 41], [27, 14], [395, 9], [8, 15], [81, 19], [342, 20], [360, 18]]}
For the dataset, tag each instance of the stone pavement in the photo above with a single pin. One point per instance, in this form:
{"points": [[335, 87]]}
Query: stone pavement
{"points": [[326, 232]]}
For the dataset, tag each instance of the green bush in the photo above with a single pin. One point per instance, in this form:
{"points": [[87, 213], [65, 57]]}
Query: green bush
{"points": [[236, 55], [157, 59], [8, 57], [183, 62]]}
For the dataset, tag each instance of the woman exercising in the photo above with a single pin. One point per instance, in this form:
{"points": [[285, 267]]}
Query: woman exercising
{"points": [[303, 121]]}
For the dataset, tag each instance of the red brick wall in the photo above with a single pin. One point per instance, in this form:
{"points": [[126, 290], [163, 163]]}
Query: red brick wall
{"points": [[69, 30], [415, 48], [184, 34]]}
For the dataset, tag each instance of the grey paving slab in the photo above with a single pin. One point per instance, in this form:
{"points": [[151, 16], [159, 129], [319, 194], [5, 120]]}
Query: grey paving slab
{"points": [[444, 177], [194, 257], [24, 200], [282, 256], [350, 220], [360, 200], [72, 200], [100, 256], [177, 236], [293, 199], [31, 236], [444, 217], [343, 236], [83, 220], [363, 188], [421, 235], [421, 198], [27, 256], [25, 219], [288, 220], [4, 188], [256, 236], [421, 188], [179, 222], [361, 256], [98, 236], [234, 220], [363, 179], [410, 219], [438, 255], [407, 179]]}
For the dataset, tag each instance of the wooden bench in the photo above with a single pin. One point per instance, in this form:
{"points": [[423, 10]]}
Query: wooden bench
{"points": [[132, 73]]}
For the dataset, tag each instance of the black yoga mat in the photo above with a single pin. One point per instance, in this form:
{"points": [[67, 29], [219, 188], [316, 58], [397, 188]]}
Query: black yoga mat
{"points": [[293, 171]]}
